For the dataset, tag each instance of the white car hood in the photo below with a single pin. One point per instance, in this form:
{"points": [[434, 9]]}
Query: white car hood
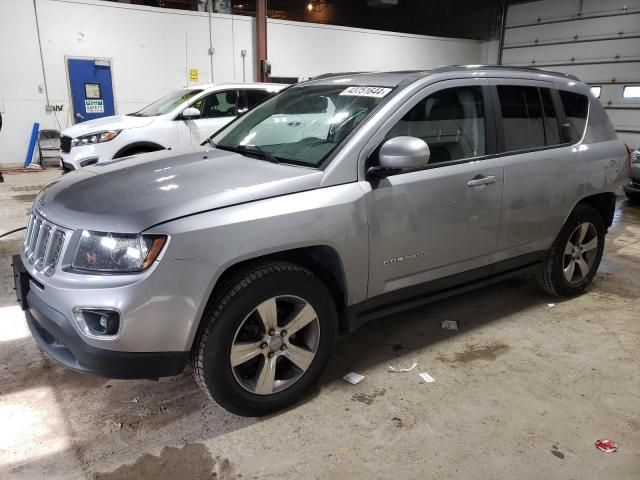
{"points": [[115, 122]]}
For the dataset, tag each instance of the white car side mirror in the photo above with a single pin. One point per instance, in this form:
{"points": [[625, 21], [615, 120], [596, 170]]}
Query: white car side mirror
{"points": [[190, 113]]}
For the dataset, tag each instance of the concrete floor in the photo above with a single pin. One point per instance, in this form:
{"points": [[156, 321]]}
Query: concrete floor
{"points": [[522, 391]]}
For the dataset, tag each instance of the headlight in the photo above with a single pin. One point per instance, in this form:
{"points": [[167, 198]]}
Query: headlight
{"points": [[115, 252], [98, 137]]}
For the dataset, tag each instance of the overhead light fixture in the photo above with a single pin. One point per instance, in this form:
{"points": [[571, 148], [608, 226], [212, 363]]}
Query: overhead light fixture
{"points": [[310, 6]]}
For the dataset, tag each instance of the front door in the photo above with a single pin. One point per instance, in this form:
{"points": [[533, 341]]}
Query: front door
{"points": [[445, 219], [91, 89], [216, 110]]}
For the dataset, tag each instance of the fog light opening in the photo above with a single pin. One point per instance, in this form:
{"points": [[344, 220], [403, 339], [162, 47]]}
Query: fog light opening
{"points": [[97, 322]]}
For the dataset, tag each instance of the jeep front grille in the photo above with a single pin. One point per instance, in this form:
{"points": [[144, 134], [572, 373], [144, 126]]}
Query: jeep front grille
{"points": [[43, 244]]}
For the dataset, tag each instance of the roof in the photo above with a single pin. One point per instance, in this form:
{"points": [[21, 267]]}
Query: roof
{"points": [[393, 79], [207, 86]]}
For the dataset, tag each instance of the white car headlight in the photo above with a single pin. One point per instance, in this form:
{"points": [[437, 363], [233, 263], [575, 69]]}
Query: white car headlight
{"points": [[116, 252], [98, 137]]}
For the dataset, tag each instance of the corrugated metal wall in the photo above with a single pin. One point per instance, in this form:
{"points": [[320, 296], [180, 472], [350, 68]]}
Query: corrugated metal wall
{"points": [[599, 41]]}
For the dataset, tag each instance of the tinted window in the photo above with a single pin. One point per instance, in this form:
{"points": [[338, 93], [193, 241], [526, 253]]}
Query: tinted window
{"points": [[522, 119], [576, 107], [551, 126], [219, 104], [451, 121], [255, 96]]}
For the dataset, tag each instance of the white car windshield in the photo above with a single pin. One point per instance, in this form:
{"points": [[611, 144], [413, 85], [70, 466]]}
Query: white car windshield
{"points": [[167, 103], [303, 124]]}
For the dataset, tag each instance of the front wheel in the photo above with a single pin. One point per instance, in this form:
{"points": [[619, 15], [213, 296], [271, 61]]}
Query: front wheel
{"points": [[574, 257], [265, 339]]}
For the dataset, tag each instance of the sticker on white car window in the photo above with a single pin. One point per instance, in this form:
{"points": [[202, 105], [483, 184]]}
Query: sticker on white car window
{"points": [[375, 92]]}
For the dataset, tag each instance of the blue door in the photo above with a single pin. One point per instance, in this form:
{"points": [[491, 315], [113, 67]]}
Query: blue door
{"points": [[91, 89]]}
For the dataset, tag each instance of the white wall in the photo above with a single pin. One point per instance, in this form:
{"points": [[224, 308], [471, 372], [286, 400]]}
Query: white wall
{"points": [[151, 49], [304, 49]]}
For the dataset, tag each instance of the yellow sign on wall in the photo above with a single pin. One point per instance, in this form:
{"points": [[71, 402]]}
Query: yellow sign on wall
{"points": [[193, 74]]}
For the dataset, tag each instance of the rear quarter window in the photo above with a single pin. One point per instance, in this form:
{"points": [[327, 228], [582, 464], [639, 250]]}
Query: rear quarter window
{"points": [[576, 108]]}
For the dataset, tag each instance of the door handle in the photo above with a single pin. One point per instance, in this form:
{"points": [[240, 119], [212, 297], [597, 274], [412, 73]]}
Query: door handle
{"points": [[480, 180], [79, 116], [293, 124]]}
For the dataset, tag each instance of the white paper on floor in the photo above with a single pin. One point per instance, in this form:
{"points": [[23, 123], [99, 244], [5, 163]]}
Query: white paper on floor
{"points": [[401, 370], [426, 377], [353, 378], [449, 324]]}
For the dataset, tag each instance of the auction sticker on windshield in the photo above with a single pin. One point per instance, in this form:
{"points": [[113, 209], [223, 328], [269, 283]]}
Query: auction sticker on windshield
{"points": [[375, 92]]}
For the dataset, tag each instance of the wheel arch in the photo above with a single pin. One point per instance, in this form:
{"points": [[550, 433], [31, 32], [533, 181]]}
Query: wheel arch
{"points": [[604, 203], [322, 260], [152, 146]]}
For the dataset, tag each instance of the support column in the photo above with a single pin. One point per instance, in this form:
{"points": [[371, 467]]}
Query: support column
{"points": [[261, 39]]}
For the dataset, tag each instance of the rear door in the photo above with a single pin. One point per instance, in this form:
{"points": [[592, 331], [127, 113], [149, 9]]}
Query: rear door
{"points": [[91, 89], [543, 175]]}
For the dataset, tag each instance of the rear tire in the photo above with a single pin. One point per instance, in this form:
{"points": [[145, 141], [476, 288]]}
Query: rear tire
{"points": [[266, 338], [575, 255], [633, 197]]}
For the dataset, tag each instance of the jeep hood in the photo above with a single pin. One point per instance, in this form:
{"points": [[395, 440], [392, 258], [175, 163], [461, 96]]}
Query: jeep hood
{"points": [[115, 122], [135, 193]]}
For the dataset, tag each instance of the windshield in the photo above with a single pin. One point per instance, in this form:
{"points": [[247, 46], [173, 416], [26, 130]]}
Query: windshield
{"points": [[302, 125], [166, 103]]}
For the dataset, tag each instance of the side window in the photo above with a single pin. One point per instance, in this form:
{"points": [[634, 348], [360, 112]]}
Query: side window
{"points": [[576, 107], [451, 121], [255, 96], [551, 125], [522, 119], [219, 104]]}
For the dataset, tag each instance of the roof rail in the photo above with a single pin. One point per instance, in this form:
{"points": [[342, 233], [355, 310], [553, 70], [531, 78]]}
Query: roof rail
{"points": [[454, 68], [336, 74]]}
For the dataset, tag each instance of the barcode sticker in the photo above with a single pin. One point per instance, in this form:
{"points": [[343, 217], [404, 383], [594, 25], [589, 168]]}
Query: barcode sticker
{"points": [[375, 92]]}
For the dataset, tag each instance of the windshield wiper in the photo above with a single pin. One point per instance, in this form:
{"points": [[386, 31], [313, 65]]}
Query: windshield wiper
{"points": [[256, 149]]}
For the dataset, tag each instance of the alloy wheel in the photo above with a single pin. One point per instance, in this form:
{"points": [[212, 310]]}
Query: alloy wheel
{"points": [[580, 252], [275, 344]]}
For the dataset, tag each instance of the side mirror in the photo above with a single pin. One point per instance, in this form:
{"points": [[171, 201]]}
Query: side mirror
{"points": [[401, 153], [190, 113]]}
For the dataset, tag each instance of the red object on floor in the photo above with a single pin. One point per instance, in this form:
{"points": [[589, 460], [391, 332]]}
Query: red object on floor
{"points": [[607, 446]]}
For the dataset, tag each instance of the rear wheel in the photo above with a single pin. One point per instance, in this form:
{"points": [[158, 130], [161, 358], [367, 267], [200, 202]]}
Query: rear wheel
{"points": [[265, 339], [574, 257], [633, 197]]}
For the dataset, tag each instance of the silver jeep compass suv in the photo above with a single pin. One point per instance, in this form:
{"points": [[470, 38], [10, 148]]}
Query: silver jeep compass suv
{"points": [[338, 200]]}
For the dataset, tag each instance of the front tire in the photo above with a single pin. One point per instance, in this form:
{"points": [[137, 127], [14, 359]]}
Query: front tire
{"points": [[265, 339], [574, 257]]}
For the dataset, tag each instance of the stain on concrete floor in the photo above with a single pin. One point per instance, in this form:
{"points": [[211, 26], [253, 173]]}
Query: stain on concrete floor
{"points": [[191, 462], [476, 352], [27, 197], [368, 398]]}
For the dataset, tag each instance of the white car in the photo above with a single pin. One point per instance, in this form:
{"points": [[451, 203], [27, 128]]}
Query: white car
{"points": [[181, 119]]}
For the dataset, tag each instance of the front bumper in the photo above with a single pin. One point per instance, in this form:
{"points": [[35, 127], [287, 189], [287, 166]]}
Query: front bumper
{"points": [[85, 155], [57, 337], [59, 340]]}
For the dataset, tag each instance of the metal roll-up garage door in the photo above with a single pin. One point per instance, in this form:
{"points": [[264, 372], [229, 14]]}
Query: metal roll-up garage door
{"points": [[598, 41]]}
